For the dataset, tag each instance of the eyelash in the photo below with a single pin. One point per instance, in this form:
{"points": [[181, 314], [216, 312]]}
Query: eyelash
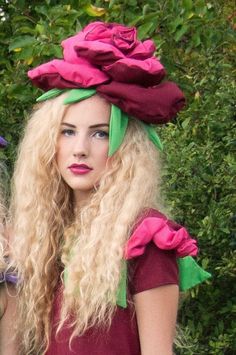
{"points": [[67, 132], [70, 132], [105, 134]]}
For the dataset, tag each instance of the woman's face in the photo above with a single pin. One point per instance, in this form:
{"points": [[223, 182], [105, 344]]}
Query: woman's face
{"points": [[82, 147]]}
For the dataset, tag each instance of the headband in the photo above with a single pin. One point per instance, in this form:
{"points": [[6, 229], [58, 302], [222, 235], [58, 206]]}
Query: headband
{"points": [[108, 58]]}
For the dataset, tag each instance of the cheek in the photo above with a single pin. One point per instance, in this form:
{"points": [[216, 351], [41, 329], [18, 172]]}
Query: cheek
{"points": [[58, 151], [104, 155], [60, 157], [62, 151]]}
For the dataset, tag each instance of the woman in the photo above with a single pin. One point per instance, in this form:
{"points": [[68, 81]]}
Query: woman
{"points": [[7, 279], [96, 260]]}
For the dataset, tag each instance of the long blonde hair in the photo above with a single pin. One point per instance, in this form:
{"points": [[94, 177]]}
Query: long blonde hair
{"points": [[51, 233]]}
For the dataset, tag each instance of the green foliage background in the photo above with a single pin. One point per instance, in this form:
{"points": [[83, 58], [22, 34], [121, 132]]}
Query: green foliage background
{"points": [[196, 43]]}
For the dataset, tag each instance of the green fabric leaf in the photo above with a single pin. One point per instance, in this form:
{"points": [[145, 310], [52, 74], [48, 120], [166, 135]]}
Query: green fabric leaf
{"points": [[117, 129], [77, 95], [153, 136], [121, 299], [50, 94], [190, 273]]}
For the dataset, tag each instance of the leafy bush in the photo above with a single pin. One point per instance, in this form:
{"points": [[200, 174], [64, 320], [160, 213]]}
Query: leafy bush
{"points": [[195, 41]]}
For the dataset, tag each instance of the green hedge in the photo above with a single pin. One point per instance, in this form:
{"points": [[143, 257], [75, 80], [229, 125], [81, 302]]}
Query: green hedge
{"points": [[195, 41]]}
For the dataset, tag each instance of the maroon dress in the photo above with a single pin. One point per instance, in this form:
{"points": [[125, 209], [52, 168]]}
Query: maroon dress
{"points": [[154, 268]]}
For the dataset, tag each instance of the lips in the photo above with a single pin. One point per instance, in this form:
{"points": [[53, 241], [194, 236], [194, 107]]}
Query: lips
{"points": [[80, 169]]}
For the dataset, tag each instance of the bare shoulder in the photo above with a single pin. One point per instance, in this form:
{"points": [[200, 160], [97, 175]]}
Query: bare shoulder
{"points": [[8, 301]]}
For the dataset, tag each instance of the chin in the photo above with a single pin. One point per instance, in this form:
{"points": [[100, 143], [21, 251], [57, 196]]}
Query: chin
{"points": [[82, 189]]}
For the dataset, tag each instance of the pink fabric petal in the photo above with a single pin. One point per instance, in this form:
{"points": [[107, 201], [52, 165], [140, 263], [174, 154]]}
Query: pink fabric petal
{"points": [[124, 38], [148, 72], [98, 53], [115, 34], [99, 31], [82, 75], [94, 28], [69, 52], [69, 43], [143, 50], [159, 231]]}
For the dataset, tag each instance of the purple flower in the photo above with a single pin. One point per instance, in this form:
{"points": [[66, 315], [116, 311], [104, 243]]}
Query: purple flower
{"points": [[3, 142]]}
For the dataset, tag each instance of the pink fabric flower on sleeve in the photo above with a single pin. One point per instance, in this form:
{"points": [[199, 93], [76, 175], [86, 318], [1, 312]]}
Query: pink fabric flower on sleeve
{"points": [[164, 234]]}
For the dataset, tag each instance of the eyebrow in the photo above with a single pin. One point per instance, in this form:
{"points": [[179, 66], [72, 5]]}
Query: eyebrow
{"points": [[92, 126]]}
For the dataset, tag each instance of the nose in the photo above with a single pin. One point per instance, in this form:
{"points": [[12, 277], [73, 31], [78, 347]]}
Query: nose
{"points": [[81, 145]]}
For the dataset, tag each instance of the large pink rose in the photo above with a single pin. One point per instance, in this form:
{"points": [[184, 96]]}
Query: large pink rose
{"points": [[101, 52], [123, 69], [115, 49]]}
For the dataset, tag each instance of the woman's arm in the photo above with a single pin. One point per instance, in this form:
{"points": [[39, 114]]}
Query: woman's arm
{"points": [[7, 324], [156, 311]]}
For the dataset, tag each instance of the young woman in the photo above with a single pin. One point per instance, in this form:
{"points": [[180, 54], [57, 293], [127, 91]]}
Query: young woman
{"points": [[97, 262], [7, 279]]}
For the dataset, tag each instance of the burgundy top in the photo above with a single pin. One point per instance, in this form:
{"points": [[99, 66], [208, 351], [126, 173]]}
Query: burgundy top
{"points": [[154, 268]]}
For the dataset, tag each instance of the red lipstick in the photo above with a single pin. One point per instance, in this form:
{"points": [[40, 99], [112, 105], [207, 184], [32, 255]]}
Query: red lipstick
{"points": [[80, 169]]}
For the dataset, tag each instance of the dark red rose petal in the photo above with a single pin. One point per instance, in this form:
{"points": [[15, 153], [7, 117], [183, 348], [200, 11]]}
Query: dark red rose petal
{"points": [[51, 81], [158, 104], [146, 73]]}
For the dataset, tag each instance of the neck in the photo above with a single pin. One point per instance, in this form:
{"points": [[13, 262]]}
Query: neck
{"points": [[82, 198]]}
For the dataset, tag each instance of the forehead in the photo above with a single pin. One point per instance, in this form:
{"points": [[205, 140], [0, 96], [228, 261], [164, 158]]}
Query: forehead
{"points": [[92, 111]]}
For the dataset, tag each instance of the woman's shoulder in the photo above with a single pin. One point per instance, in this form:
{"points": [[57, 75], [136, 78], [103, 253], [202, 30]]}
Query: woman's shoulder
{"points": [[149, 265], [157, 244]]}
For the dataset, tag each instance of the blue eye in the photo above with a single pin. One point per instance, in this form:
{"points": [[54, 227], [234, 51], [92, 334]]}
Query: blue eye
{"points": [[101, 134], [68, 132]]}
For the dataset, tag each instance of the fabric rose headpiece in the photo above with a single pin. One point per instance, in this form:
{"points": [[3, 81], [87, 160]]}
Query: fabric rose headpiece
{"points": [[109, 59]]}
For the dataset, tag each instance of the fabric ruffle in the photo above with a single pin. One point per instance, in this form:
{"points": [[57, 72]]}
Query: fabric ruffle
{"points": [[160, 231]]}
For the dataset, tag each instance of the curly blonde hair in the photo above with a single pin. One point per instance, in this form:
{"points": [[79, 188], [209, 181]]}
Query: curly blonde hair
{"points": [[52, 234]]}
